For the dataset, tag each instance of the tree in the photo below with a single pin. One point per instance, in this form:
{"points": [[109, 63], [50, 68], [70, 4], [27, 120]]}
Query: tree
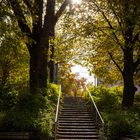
{"points": [[117, 27], [110, 31], [38, 28]]}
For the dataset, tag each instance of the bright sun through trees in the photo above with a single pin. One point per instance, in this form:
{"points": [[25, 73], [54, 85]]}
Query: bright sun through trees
{"points": [[76, 1]]}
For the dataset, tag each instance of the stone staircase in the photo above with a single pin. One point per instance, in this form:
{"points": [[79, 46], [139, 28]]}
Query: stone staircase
{"points": [[76, 121]]}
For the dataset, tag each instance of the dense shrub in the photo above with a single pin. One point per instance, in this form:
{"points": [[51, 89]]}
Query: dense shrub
{"points": [[118, 122], [31, 113], [8, 98], [106, 98], [122, 123], [52, 92]]}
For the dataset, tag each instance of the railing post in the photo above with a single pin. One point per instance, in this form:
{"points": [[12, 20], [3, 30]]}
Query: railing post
{"points": [[55, 130]]}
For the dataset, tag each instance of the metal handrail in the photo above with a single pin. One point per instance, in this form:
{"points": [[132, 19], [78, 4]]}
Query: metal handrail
{"points": [[57, 110], [97, 111]]}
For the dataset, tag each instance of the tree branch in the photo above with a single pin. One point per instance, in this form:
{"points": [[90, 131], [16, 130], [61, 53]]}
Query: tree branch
{"points": [[49, 17], [119, 68], [37, 18], [110, 25], [108, 35], [61, 10], [20, 17], [117, 18]]}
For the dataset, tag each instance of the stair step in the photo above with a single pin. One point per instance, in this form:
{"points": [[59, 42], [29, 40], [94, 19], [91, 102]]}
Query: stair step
{"points": [[77, 133], [74, 121], [78, 139], [75, 109], [75, 105], [77, 136], [77, 130], [76, 124], [75, 116], [76, 112], [76, 127]]}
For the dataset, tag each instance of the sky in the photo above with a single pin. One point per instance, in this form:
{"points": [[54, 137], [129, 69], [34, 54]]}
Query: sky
{"points": [[83, 72]]}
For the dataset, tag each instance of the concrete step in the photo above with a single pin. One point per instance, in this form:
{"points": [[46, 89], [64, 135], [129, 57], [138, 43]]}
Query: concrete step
{"points": [[76, 124], [77, 136], [75, 121], [76, 114], [77, 133], [66, 116], [75, 109], [78, 139], [77, 130], [76, 127]]}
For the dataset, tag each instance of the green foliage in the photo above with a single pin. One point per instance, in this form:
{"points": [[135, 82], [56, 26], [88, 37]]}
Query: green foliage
{"points": [[33, 113], [29, 112], [14, 56], [52, 92], [107, 98], [122, 123], [118, 122], [8, 98]]}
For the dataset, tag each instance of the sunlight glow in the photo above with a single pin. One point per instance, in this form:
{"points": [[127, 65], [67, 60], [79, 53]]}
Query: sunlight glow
{"points": [[82, 72], [76, 1]]}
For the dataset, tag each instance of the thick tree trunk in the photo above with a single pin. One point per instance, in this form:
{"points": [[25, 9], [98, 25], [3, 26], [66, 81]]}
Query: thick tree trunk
{"points": [[52, 48], [128, 73], [43, 63], [38, 65], [33, 71], [128, 91], [52, 71]]}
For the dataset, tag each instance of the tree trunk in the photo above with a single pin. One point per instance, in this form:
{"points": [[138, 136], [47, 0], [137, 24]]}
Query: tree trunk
{"points": [[43, 63], [52, 71], [39, 64], [33, 71], [52, 63], [128, 91], [40, 35], [128, 73]]}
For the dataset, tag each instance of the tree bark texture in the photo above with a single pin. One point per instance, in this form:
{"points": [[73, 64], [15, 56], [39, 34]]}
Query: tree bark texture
{"points": [[128, 73]]}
